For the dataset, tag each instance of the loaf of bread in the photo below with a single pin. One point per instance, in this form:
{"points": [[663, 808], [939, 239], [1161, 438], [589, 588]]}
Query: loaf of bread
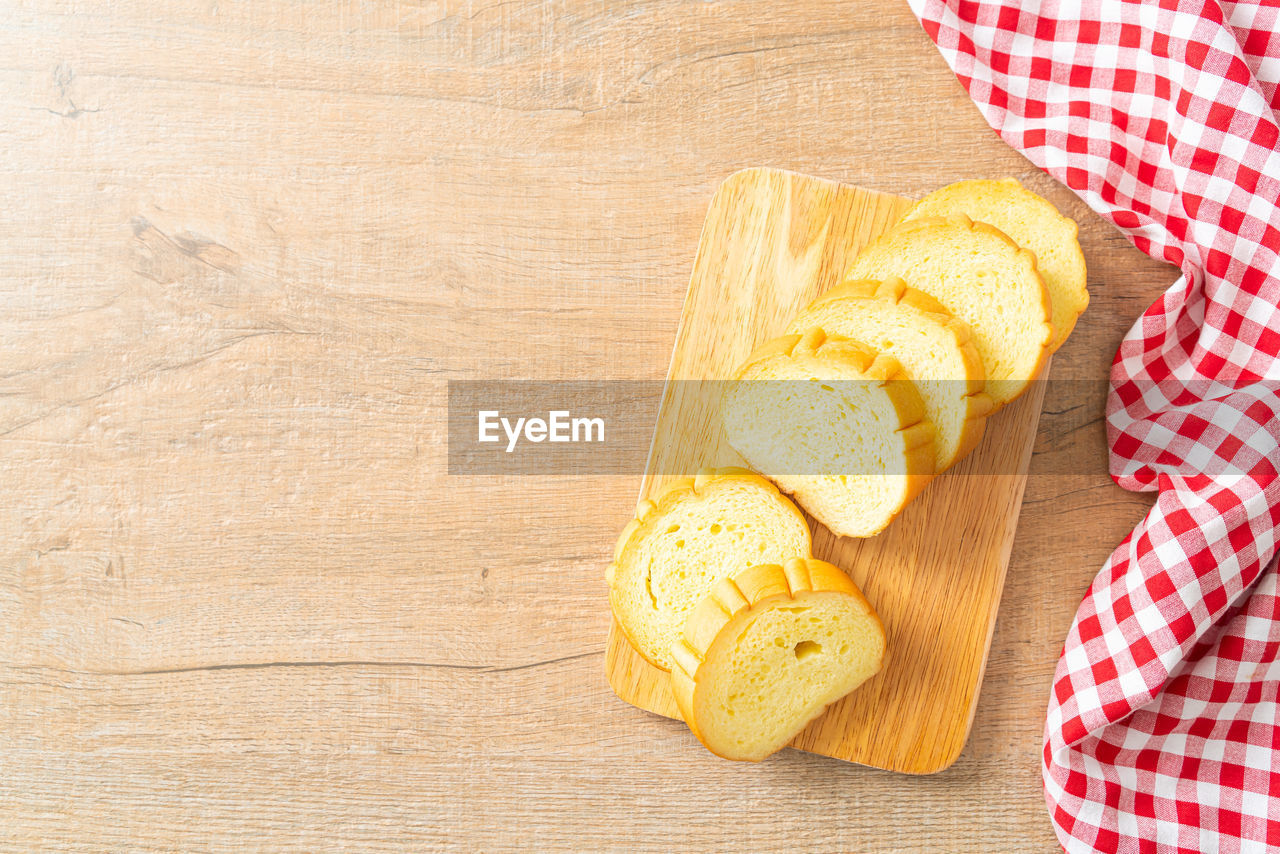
{"points": [[768, 650], [1034, 224], [836, 425], [980, 276], [696, 532], [934, 348]]}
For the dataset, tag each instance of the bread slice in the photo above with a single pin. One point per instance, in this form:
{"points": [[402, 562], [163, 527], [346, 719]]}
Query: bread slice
{"points": [[836, 425], [698, 531], [768, 650], [1034, 224], [981, 277], [934, 348]]}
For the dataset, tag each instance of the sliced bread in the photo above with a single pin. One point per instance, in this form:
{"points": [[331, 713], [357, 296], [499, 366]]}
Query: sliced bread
{"points": [[835, 424], [768, 650], [935, 350], [981, 277], [1034, 224], [698, 531]]}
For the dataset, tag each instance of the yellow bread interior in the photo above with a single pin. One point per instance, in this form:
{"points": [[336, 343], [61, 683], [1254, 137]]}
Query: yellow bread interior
{"points": [[1035, 225], [768, 650], [698, 531], [934, 348], [982, 277], [836, 425]]}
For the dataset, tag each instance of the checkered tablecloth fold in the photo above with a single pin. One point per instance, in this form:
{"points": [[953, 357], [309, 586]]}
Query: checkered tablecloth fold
{"points": [[1163, 728]]}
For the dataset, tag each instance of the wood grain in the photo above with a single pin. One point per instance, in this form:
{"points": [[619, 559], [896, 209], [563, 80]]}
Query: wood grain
{"points": [[772, 242], [244, 246]]}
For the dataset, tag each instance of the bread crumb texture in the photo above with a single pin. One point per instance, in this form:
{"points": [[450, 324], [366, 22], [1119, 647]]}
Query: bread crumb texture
{"points": [[982, 277], [836, 425], [698, 531]]}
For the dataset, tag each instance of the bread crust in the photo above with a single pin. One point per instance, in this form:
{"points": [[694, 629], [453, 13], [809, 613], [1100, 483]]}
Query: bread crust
{"points": [[646, 510], [731, 601]]}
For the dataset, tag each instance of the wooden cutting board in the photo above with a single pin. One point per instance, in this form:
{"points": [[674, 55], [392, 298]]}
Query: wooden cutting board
{"points": [[773, 241]]}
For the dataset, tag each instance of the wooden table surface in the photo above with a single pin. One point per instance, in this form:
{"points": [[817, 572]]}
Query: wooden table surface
{"points": [[244, 246]]}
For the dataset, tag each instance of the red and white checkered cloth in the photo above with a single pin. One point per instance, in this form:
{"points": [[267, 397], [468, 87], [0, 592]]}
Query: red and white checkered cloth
{"points": [[1162, 730]]}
